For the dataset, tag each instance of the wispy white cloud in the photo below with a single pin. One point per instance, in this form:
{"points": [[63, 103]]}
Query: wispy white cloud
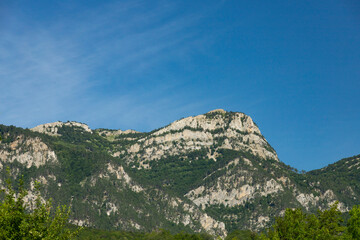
{"points": [[36, 75], [50, 71]]}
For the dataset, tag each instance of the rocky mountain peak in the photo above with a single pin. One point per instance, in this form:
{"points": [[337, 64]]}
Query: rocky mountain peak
{"points": [[217, 129], [217, 111], [217, 119], [52, 128]]}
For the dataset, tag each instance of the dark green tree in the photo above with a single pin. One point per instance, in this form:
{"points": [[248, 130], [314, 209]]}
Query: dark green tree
{"points": [[353, 224], [17, 221], [242, 235], [295, 224]]}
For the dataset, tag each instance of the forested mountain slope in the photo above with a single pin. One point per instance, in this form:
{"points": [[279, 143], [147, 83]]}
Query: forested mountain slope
{"points": [[343, 177], [213, 173]]}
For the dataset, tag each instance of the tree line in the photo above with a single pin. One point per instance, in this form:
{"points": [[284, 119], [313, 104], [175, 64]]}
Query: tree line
{"points": [[23, 219]]}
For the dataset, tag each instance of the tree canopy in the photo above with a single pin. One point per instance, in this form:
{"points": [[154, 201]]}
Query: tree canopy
{"points": [[325, 225], [22, 219]]}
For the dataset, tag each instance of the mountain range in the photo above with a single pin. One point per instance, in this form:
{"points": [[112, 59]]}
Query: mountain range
{"points": [[211, 173]]}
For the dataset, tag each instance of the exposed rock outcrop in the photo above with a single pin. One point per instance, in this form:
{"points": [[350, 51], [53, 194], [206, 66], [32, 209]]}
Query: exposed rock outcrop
{"points": [[231, 193], [27, 151], [219, 128], [52, 128]]}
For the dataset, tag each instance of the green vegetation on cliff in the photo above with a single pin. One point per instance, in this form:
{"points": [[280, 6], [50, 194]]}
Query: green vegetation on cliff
{"points": [[216, 175]]}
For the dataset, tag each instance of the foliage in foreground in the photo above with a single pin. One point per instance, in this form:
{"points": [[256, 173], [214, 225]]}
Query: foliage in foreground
{"points": [[17, 222], [325, 225]]}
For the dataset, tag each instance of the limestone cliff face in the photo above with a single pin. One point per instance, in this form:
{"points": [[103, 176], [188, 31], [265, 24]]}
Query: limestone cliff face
{"points": [[238, 195], [215, 129], [27, 151], [52, 128], [328, 197], [191, 216]]}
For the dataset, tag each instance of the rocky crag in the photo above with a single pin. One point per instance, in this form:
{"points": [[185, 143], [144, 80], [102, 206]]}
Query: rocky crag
{"points": [[212, 173]]}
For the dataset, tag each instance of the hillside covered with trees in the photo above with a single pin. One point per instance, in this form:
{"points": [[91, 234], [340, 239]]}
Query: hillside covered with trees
{"points": [[213, 173]]}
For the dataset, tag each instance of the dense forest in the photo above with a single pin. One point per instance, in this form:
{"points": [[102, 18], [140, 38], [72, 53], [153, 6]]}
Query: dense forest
{"points": [[295, 224], [20, 219]]}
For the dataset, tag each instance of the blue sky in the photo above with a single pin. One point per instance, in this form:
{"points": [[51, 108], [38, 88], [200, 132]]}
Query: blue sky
{"points": [[293, 66]]}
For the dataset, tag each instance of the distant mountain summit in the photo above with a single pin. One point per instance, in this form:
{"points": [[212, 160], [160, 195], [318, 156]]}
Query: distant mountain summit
{"points": [[214, 172], [216, 129], [52, 128]]}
